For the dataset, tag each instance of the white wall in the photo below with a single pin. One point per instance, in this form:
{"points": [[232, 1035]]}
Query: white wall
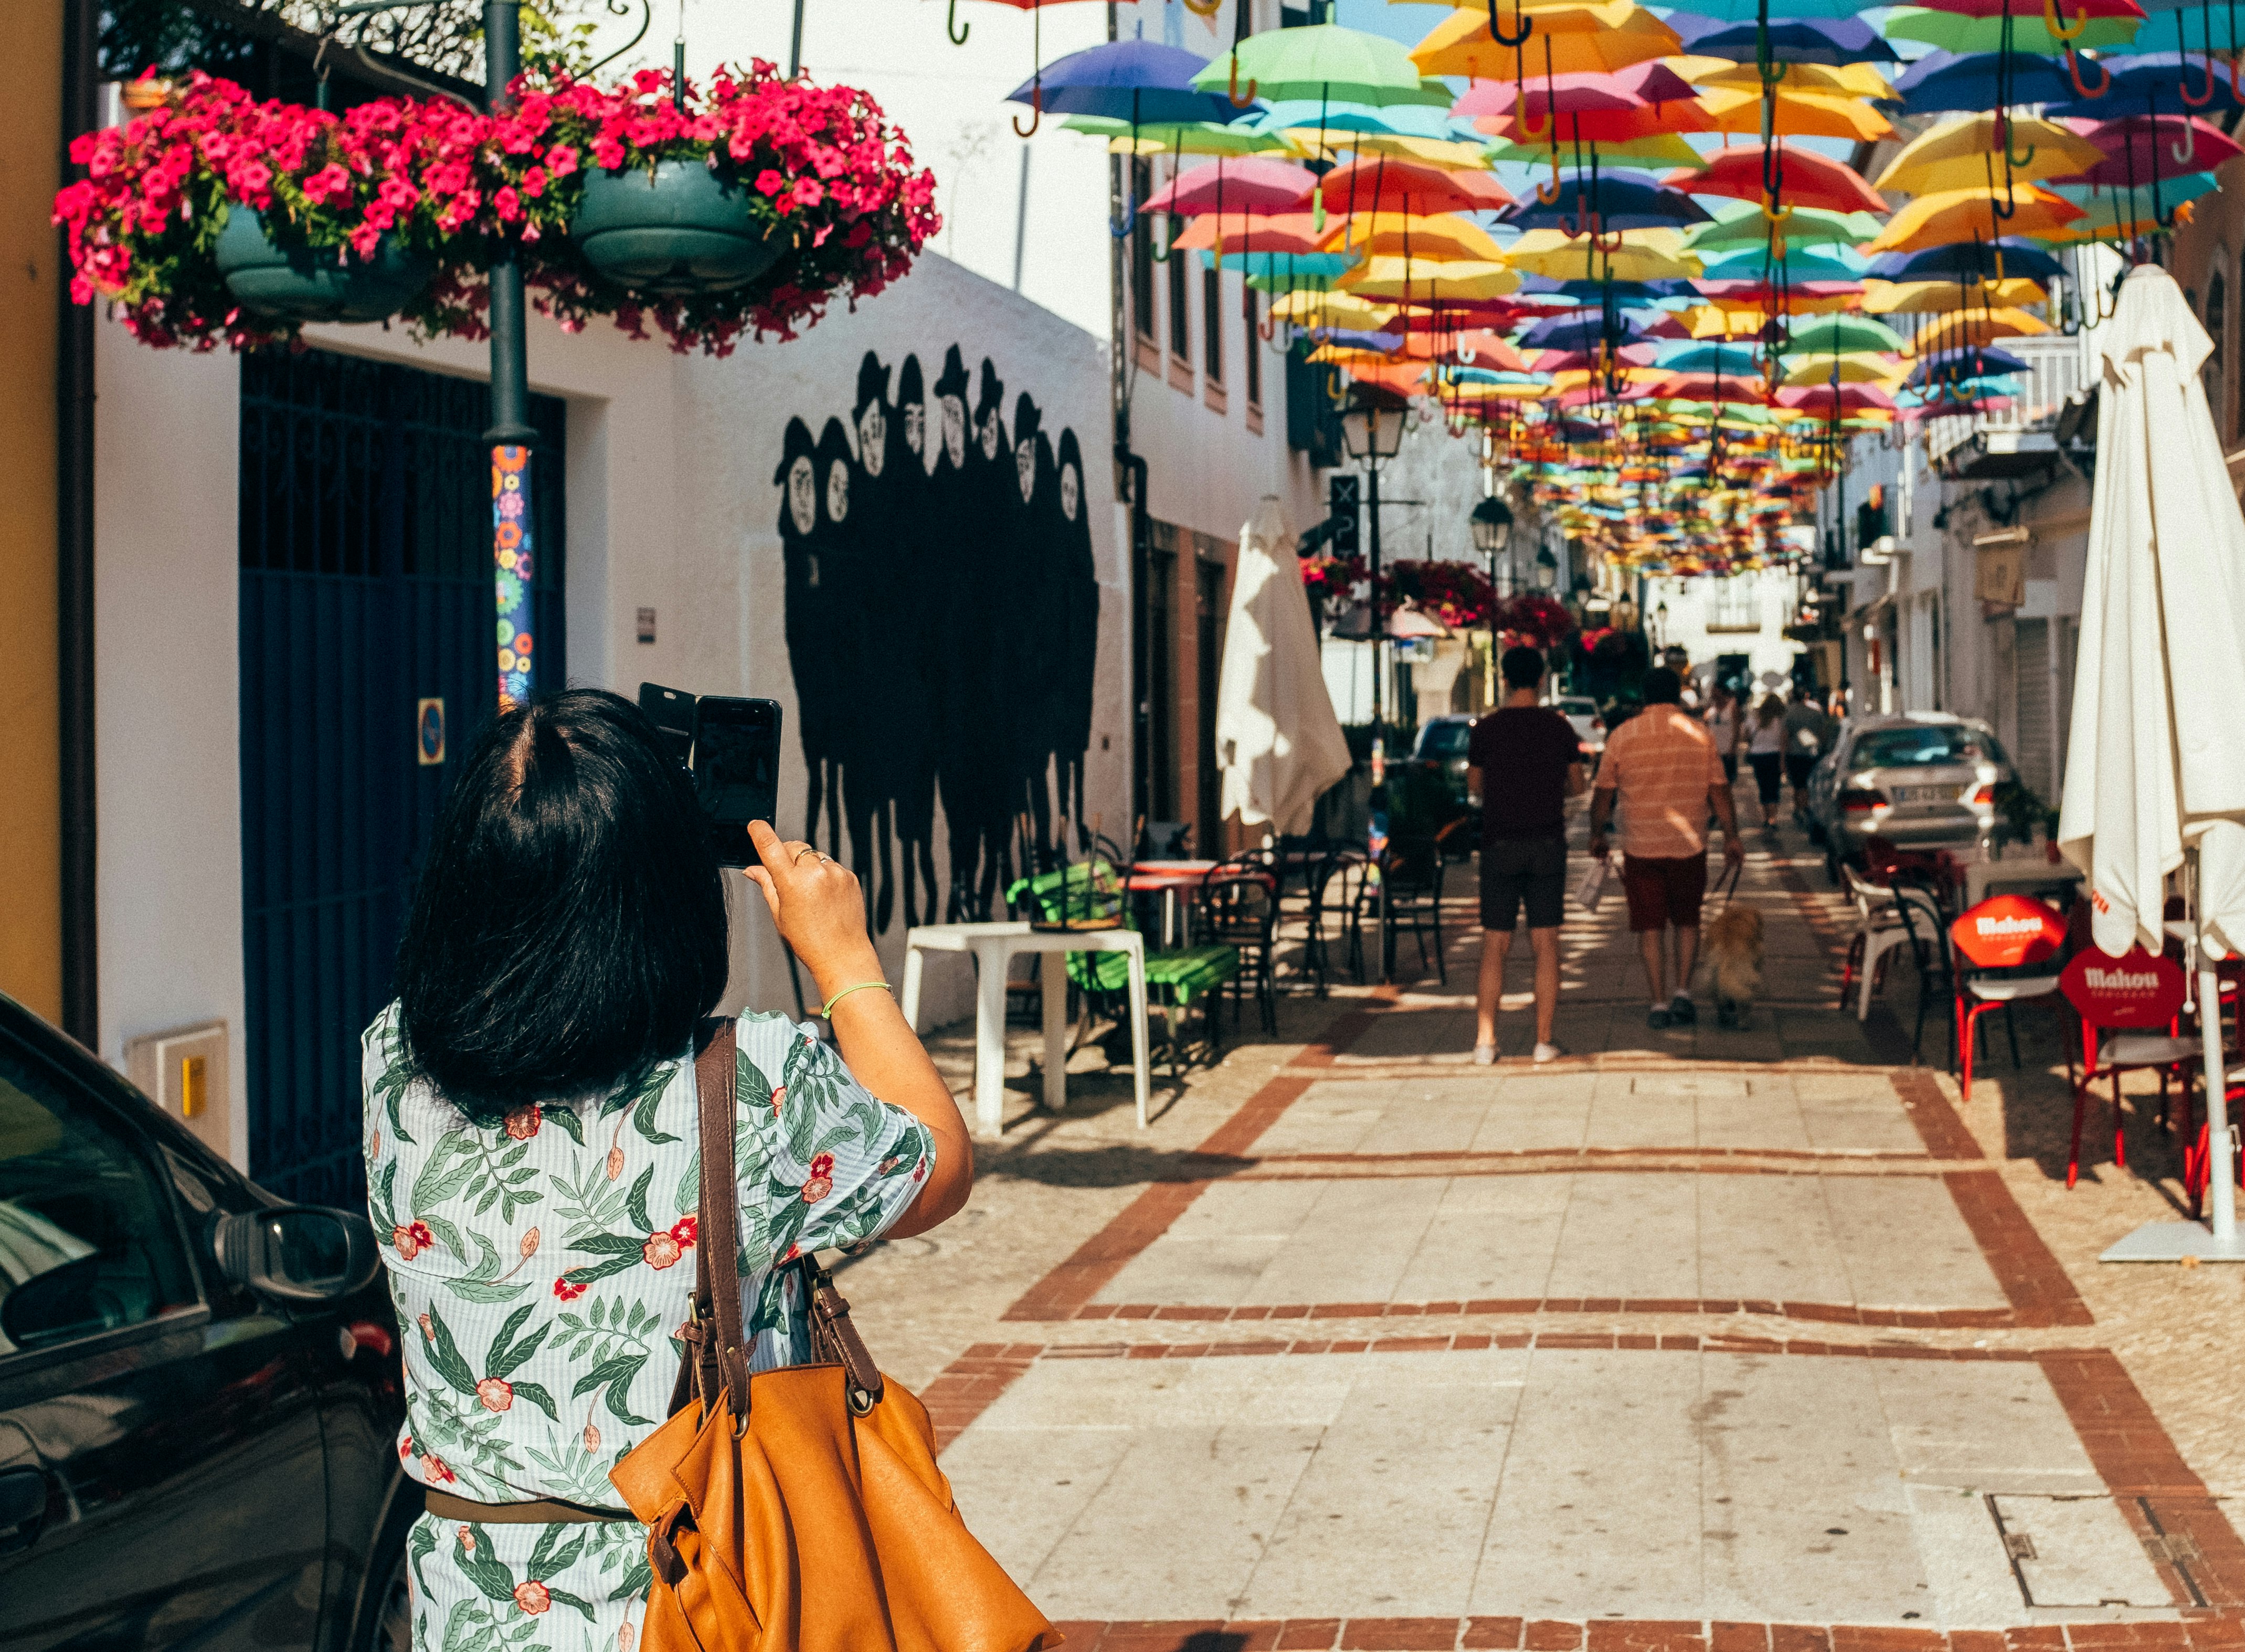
{"points": [[671, 506]]}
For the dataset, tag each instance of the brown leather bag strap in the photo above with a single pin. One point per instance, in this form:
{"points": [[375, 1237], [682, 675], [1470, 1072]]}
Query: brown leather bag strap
{"points": [[834, 1335], [724, 1358]]}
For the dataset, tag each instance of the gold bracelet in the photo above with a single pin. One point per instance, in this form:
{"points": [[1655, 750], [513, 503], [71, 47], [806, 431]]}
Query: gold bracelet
{"points": [[827, 1012]]}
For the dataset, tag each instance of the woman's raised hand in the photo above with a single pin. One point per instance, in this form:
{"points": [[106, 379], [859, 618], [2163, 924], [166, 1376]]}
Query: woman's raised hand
{"points": [[818, 908]]}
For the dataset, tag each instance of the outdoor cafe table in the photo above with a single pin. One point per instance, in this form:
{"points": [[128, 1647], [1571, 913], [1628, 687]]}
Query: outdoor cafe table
{"points": [[1166, 878], [2025, 873], [992, 946]]}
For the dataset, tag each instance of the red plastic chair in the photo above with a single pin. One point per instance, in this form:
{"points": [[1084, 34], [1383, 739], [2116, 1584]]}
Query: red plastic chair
{"points": [[2129, 996], [2003, 941]]}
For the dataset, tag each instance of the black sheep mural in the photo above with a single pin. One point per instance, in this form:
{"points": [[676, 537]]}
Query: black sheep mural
{"points": [[942, 628]]}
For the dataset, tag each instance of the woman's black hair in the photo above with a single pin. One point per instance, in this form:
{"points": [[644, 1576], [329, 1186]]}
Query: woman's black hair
{"points": [[568, 930]]}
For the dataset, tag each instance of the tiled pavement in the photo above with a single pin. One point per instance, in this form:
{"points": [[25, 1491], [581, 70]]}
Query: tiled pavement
{"points": [[1710, 1342]]}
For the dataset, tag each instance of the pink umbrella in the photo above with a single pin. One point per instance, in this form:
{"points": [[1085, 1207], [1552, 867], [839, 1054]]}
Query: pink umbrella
{"points": [[1272, 232], [1250, 185], [1848, 398], [2143, 147]]}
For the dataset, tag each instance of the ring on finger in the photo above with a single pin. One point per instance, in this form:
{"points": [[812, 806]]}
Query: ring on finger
{"points": [[806, 849]]}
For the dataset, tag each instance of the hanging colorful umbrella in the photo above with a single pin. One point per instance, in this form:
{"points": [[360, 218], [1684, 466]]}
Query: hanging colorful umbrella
{"points": [[1582, 40], [1832, 40], [1959, 214], [1250, 186], [1968, 260], [1942, 82], [1968, 154], [1958, 32], [1608, 202], [1324, 63], [2135, 150], [1809, 180], [1743, 226], [1438, 235], [1379, 184], [1249, 233], [1792, 114], [1842, 336], [1662, 149], [1939, 298], [1199, 137], [1392, 276]]}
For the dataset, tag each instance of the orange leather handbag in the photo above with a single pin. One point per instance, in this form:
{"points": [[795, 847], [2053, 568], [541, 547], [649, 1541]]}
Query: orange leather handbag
{"points": [[800, 1509]]}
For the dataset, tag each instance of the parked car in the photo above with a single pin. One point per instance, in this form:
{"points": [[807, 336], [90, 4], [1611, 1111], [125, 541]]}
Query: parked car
{"points": [[1924, 780], [1589, 728], [199, 1385], [1441, 746]]}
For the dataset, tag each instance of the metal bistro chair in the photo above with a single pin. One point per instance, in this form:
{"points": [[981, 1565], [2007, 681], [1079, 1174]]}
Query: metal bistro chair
{"points": [[1331, 896], [1412, 872], [1926, 930], [1093, 891], [1238, 908]]}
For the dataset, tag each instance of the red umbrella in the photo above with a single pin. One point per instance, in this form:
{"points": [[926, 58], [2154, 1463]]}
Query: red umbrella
{"points": [[1848, 398], [1249, 185], [1640, 101], [1811, 180], [1381, 185], [1706, 387]]}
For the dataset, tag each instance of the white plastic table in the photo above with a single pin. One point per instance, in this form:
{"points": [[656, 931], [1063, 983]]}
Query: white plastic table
{"points": [[991, 945]]}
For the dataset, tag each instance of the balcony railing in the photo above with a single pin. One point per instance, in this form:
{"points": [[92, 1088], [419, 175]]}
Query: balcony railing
{"points": [[2055, 373]]}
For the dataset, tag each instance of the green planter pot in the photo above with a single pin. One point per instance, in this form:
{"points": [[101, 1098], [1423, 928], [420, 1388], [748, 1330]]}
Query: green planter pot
{"points": [[681, 230], [304, 285]]}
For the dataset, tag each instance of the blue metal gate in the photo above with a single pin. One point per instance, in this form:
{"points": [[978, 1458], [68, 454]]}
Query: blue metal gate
{"points": [[366, 590]]}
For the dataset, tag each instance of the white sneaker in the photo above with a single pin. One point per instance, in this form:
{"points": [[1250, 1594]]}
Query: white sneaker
{"points": [[1484, 1055], [1548, 1053]]}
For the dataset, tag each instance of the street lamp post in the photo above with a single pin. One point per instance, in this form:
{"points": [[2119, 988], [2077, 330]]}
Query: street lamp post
{"points": [[1492, 533], [1372, 428], [510, 434]]}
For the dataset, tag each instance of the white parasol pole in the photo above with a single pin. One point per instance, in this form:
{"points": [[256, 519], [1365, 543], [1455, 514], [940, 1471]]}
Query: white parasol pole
{"points": [[2222, 1188]]}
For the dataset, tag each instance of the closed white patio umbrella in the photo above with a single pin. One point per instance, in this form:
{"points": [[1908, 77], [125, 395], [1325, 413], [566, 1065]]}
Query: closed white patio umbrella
{"points": [[1277, 738], [2155, 766]]}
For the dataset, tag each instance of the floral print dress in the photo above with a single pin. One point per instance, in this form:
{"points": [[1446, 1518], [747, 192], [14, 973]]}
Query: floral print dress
{"points": [[541, 1267]]}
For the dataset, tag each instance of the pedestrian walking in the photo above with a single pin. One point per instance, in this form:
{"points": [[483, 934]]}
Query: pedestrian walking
{"points": [[1662, 771], [1523, 761], [1726, 727], [531, 1150], [1807, 730], [1766, 753]]}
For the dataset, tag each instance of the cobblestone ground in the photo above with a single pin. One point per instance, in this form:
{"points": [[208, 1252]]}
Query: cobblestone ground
{"points": [[1699, 1340]]}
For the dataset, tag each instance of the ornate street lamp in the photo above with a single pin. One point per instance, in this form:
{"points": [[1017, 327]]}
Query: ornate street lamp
{"points": [[1371, 429], [1547, 569], [1492, 535]]}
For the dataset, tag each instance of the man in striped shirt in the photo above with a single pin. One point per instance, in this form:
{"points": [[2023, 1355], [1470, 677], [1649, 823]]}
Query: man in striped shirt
{"points": [[1663, 768]]}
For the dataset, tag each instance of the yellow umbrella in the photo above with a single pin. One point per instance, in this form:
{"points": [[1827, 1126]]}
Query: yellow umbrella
{"points": [[1847, 80], [1330, 145], [1854, 369], [1956, 332], [1962, 154], [1665, 150], [1643, 255], [1393, 277], [1584, 39], [1961, 214], [1332, 309], [1938, 298], [1795, 114], [1429, 236]]}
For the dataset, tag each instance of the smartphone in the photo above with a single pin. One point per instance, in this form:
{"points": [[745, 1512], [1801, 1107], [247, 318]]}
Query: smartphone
{"points": [[671, 711], [736, 769]]}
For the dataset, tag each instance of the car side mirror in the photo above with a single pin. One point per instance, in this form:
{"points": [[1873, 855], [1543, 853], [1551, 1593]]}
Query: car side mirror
{"points": [[297, 1253]]}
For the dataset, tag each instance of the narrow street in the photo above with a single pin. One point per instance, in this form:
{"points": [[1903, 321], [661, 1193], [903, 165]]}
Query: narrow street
{"points": [[1695, 1339]]}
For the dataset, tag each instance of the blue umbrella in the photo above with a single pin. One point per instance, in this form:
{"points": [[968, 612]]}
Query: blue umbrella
{"points": [[1727, 360], [1986, 363], [1835, 41], [1581, 330], [1840, 265], [1614, 201], [1968, 261], [1141, 81], [2152, 83], [1620, 292], [1941, 81]]}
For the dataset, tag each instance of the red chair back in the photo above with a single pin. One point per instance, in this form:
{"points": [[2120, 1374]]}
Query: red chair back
{"points": [[2006, 931], [2138, 989]]}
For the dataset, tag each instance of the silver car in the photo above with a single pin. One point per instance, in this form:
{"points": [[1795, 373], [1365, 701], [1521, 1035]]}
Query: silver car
{"points": [[1582, 712], [1920, 781]]}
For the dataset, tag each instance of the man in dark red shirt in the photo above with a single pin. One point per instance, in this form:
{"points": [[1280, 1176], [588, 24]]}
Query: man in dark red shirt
{"points": [[1523, 763]]}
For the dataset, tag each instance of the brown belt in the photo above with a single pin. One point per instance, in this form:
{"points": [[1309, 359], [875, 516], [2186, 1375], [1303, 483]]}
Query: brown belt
{"points": [[543, 1511]]}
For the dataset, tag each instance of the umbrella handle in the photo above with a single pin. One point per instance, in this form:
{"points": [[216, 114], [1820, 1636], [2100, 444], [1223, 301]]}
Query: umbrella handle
{"points": [[1554, 186], [1130, 221], [1497, 34], [1239, 102], [1158, 249], [1036, 114], [956, 30], [1208, 10], [2182, 84], [1774, 218], [2059, 30], [2104, 79], [2188, 147]]}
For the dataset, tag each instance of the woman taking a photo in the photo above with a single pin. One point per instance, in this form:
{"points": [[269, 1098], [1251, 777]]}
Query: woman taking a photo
{"points": [[531, 1152]]}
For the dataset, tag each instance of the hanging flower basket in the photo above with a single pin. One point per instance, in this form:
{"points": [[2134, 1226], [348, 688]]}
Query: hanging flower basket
{"points": [[300, 284], [745, 208], [674, 227]]}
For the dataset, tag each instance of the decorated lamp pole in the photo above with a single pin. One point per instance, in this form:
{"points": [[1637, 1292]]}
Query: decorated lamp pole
{"points": [[510, 434]]}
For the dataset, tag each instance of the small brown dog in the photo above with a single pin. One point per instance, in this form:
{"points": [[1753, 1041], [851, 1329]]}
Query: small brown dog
{"points": [[1730, 960]]}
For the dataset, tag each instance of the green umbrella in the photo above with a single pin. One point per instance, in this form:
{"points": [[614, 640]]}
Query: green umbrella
{"points": [[1842, 336], [1324, 63], [1201, 137], [1744, 226], [1964, 35]]}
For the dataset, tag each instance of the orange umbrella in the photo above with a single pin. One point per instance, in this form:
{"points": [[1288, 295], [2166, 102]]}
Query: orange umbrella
{"points": [[1584, 38], [1251, 232], [1383, 184]]}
